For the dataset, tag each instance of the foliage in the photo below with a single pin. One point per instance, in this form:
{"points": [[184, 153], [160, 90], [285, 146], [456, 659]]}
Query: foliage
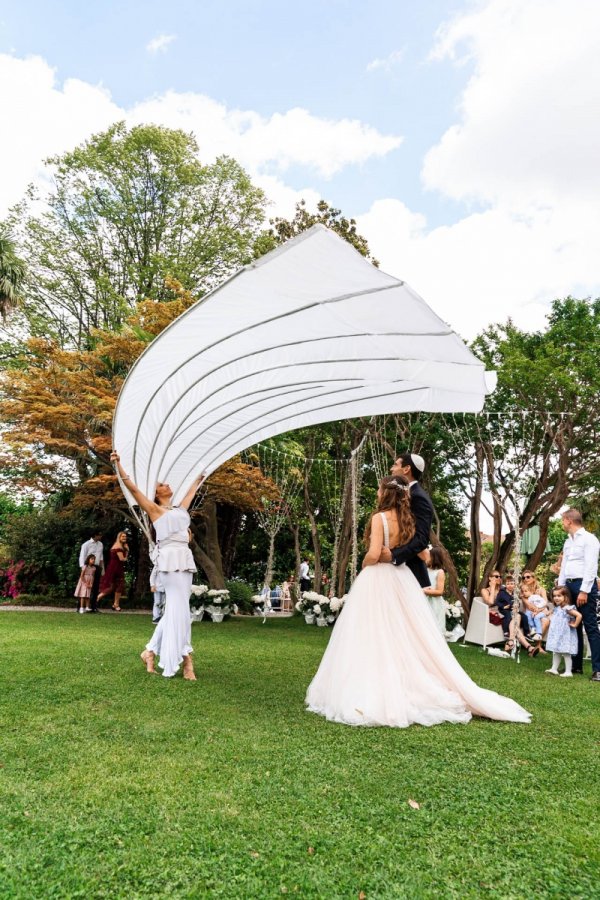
{"points": [[274, 780], [240, 593], [12, 273], [129, 208], [282, 230]]}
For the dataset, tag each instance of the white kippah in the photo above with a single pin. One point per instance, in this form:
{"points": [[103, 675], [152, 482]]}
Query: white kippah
{"points": [[418, 462]]}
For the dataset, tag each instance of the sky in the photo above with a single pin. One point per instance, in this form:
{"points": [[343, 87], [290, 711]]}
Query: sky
{"points": [[464, 137]]}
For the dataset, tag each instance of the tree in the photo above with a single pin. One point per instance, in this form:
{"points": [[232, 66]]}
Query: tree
{"points": [[58, 411], [12, 274], [130, 208], [548, 391], [282, 230]]}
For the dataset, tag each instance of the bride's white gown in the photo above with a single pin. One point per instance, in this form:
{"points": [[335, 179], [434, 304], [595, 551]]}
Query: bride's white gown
{"points": [[387, 663]]}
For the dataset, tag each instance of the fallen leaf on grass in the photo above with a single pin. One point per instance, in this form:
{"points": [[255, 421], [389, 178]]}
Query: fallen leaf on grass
{"points": [[413, 804], [311, 851], [362, 895], [254, 854]]}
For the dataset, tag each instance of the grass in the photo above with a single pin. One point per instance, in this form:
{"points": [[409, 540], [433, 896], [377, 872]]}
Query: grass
{"points": [[114, 783]]}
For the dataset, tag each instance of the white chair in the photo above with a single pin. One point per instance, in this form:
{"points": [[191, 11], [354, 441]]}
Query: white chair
{"points": [[479, 628]]}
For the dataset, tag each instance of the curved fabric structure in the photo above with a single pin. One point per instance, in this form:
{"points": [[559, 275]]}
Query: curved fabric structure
{"points": [[310, 333]]}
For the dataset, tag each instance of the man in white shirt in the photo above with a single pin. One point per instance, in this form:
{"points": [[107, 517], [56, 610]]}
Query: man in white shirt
{"points": [[304, 576], [93, 545], [578, 572]]}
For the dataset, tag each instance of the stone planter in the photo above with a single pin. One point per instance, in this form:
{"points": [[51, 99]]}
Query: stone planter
{"points": [[321, 621], [217, 616], [197, 614], [330, 620], [309, 619]]}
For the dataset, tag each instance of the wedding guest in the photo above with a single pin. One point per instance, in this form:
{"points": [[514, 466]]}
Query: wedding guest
{"points": [[304, 576], [84, 585], [113, 580], [490, 591], [505, 604], [562, 634], [529, 580], [93, 545], [435, 562], [578, 573], [286, 597], [536, 612]]}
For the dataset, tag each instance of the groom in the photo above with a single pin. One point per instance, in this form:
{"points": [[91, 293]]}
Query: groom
{"points": [[412, 466]]}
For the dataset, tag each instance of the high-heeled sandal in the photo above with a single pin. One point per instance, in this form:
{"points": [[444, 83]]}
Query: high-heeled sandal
{"points": [[148, 657], [533, 651], [116, 608], [188, 669]]}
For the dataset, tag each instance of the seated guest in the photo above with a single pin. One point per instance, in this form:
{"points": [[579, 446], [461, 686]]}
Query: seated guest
{"points": [[536, 612], [529, 580], [504, 603], [490, 592]]}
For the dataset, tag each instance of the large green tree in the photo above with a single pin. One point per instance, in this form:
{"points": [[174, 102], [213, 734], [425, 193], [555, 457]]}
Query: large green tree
{"points": [[127, 209], [12, 273]]}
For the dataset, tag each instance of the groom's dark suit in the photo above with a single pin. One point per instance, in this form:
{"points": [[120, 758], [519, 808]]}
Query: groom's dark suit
{"points": [[422, 509]]}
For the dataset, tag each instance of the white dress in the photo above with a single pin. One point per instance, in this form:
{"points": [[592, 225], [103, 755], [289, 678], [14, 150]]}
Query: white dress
{"points": [[436, 604], [388, 664], [172, 636]]}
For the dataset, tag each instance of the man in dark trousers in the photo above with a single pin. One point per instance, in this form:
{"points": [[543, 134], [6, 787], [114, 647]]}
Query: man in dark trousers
{"points": [[412, 466]]}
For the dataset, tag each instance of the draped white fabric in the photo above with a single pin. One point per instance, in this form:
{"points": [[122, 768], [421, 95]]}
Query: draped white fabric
{"points": [[309, 333]]}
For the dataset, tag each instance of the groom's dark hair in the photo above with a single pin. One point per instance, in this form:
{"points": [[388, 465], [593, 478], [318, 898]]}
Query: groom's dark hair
{"points": [[406, 460]]}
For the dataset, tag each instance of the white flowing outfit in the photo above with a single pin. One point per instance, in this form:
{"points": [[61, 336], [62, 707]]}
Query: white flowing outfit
{"points": [[172, 636], [437, 604], [387, 663]]}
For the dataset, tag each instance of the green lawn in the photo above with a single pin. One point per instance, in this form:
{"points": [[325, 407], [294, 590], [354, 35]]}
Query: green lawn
{"points": [[114, 783]]}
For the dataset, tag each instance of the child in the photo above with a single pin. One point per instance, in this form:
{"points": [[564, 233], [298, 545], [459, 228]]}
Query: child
{"points": [[83, 590], [157, 588], [536, 610], [562, 635]]}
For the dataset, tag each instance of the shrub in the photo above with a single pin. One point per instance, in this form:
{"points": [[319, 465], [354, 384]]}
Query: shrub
{"points": [[240, 593]]}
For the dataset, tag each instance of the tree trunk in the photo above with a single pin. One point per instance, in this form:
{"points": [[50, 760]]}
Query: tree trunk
{"points": [[295, 529], [475, 559], [205, 546], [229, 520], [270, 560], [314, 533]]}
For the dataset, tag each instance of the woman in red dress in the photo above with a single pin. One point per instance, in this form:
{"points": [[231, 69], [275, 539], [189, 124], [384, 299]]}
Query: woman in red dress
{"points": [[113, 580]]}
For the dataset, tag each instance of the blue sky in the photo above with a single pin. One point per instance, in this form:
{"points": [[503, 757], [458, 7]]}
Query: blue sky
{"points": [[269, 57], [446, 128]]}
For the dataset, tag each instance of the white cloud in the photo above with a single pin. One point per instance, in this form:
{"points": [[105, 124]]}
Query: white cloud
{"points": [[387, 63], [489, 265], [525, 147], [529, 129], [48, 118], [293, 138], [160, 44]]}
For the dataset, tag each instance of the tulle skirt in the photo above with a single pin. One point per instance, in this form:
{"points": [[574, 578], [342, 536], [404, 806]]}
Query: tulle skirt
{"points": [[172, 638], [387, 663]]}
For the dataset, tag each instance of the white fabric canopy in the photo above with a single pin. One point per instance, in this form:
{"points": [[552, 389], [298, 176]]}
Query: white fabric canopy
{"points": [[309, 333]]}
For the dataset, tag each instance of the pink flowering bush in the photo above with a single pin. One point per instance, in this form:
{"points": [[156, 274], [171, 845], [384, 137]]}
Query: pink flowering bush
{"points": [[11, 579]]}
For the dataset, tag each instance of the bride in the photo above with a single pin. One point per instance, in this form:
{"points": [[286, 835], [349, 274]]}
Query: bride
{"points": [[387, 663]]}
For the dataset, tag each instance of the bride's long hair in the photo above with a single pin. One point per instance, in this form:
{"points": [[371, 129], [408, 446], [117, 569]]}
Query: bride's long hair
{"points": [[394, 494]]}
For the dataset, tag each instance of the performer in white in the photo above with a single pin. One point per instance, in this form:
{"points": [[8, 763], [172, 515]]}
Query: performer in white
{"points": [[171, 641], [386, 662]]}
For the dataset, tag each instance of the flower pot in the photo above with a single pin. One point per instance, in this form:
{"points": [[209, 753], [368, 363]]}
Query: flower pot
{"points": [[197, 614], [217, 616], [309, 619], [321, 621], [330, 620]]}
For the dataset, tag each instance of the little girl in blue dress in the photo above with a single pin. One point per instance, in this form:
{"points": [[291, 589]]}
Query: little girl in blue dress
{"points": [[562, 634]]}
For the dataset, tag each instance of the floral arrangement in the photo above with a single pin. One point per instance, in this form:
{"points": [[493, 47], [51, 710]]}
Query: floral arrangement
{"points": [[213, 601], [318, 607], [454, 614], [262, 604]]}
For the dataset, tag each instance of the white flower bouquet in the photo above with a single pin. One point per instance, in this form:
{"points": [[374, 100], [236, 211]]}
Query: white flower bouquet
{"points": [[454, 614]]}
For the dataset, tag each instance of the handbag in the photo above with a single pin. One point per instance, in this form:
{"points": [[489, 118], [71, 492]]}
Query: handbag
{"points": [[495, 619]]}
